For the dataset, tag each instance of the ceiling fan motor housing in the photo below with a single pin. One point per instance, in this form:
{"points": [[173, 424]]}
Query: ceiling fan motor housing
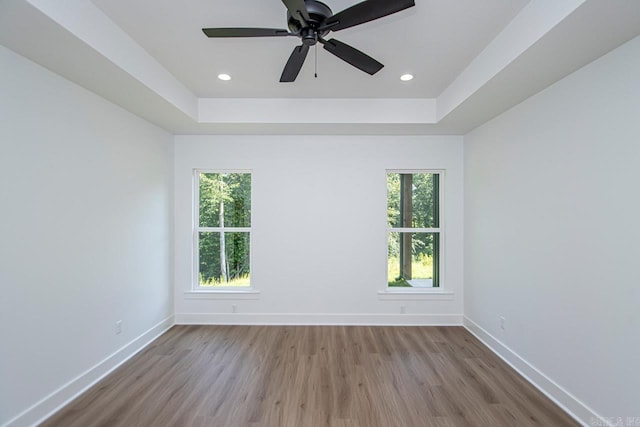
{"points": [[318, 13]]}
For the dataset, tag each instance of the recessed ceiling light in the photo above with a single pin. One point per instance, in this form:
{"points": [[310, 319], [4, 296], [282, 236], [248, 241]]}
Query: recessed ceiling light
{"points": [[224, 77], [406, 77]]}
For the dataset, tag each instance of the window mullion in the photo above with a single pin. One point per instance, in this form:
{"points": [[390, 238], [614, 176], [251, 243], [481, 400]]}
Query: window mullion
{"points": [[224, 229], [414, 230]]}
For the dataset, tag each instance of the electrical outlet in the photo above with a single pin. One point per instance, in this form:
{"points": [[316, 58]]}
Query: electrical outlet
{"points": [[502, 322], [234, 308], [118, 327], [403, 309]]}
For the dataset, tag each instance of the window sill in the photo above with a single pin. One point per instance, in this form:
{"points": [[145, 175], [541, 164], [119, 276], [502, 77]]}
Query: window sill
{"points": [[223, 294], [412, 294]]}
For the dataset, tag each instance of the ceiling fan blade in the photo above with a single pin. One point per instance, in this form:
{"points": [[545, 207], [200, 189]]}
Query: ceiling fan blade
{"points": [[298, 9], [364, 12], [353, 56], [244, 32], [294, 64]]}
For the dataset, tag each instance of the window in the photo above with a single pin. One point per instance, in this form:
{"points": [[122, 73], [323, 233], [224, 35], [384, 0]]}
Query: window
{"points": [[414, 229], [222, 232]]}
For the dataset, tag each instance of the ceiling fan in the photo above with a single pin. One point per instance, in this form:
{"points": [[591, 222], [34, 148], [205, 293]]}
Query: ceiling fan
{"points": [[311, 21]]}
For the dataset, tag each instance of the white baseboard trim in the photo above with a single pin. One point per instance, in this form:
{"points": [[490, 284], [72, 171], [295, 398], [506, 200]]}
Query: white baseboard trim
{"points": [[561, 397], [318, 319], [51, 404]]}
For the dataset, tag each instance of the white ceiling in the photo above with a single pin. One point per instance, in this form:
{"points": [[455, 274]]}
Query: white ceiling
{"points": [[472, 59], [434, 40]]}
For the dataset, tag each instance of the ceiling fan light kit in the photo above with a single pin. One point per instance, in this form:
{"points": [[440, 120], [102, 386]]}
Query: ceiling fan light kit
{"points": [[311, 21]]}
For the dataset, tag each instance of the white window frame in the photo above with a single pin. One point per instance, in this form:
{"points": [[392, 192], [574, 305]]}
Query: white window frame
{"points": [[440, 292], [195, 282]]}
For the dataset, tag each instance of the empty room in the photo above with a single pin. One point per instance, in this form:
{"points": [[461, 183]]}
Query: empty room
{"points": [[302, 213]]}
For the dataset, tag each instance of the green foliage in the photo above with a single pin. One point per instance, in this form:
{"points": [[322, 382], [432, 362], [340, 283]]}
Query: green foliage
{"points": [[231, 195], [399, 283], [234, 191], [423, 209], [393, 199], [421, 267], [412, 203], [423, 201], [236, 282]]}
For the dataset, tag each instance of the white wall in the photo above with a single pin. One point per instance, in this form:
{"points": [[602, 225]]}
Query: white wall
{"points": [[319, 226], [552, 227], [85, 226]]}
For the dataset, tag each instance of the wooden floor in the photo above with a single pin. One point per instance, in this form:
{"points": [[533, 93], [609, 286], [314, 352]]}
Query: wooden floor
{"points": [[313, 376]]}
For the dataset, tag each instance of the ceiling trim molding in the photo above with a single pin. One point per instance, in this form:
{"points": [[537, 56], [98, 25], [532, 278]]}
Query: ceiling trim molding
{"points": [[546, 41], [295, 110], [534, 21], [89, 24]]}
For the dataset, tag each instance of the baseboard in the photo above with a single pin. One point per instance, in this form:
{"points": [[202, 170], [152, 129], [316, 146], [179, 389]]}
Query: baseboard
{"points": [[51, 404], [318, 319], [561, 397]]}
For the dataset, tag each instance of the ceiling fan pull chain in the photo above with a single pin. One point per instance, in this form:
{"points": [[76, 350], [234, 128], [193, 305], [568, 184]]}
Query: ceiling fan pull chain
{"points": [[316, 74]]}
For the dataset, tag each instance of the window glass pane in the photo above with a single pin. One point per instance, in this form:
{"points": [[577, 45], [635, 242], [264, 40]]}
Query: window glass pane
{"points": [[412, 200], [224, 268], [413, 260], [225, 199]]}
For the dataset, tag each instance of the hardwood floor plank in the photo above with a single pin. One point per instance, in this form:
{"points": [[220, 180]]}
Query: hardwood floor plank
{"points": [[313, 376]]}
